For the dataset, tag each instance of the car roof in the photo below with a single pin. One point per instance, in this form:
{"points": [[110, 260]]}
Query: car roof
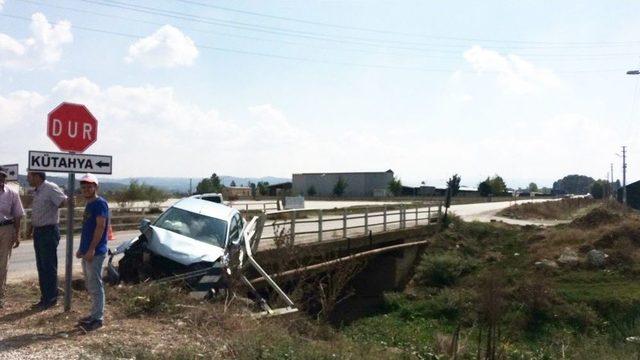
{"points": [[206, 208]]}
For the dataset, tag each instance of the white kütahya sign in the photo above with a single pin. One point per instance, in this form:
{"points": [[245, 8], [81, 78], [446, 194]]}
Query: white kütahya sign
{"points": [[69, 163]]}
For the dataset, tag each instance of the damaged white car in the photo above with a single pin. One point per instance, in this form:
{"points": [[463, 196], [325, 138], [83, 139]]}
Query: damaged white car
{"points": [[198, 241]]}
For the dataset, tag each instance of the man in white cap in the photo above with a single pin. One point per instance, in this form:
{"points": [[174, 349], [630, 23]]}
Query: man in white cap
{"points": [[93, 249], [11, 212]]}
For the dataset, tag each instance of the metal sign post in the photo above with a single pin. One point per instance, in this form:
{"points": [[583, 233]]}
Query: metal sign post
{"points": [[73, 129], [69, 261]]}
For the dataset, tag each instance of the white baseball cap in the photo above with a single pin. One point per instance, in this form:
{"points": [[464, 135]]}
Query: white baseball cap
{"points": [[89, 178]]}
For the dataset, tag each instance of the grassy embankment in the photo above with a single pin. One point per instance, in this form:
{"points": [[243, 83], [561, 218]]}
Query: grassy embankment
{"points": [[480, 283], [477, 290], [565, 209]]}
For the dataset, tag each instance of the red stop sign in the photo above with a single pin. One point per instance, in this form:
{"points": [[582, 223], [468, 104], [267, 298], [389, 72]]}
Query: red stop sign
{"points": [[72, 127]]}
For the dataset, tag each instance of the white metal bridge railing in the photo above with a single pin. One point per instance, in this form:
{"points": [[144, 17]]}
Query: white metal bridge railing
{"points": [[319, 225]]}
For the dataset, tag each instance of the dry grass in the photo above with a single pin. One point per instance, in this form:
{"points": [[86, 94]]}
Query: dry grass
{"points": [[181, 324], [159, 322], [605, 227], [565, 209]]}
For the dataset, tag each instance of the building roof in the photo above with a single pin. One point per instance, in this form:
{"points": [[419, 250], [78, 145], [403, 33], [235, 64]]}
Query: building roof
{"points": [[350, 172]]}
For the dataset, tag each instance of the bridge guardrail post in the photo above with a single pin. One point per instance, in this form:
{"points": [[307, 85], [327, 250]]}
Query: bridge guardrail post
{"points": [[439, 212], [403, 213], [264, 207], [320, 225], [428, 215], [384, 218], [417, 206], [366, 220], [344, 223], [293, 225]]}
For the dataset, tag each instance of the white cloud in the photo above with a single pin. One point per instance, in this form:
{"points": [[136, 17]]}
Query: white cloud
{"points": [[1, 4], [167, 47], [514, 74], [15, 107], [42, 49], [150, 131]]}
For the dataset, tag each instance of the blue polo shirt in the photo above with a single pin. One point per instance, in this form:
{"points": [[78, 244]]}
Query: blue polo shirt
{"points": [[97, 207]]}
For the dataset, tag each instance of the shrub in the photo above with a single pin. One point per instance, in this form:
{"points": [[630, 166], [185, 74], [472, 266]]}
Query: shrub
{"points": [[150, 300], [443, 269], [449, 304], [537, 301], [580, 317]]}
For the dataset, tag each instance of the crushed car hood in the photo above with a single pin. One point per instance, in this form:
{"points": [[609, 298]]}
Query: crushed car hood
{"points": [[180, 248]]}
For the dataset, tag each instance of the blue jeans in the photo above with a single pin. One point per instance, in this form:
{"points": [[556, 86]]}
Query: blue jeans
{"points": [[45, 244], [93, 282]]}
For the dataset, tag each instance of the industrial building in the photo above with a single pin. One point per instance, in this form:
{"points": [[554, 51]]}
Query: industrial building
{"points": [[633, 195], [358, 184]]}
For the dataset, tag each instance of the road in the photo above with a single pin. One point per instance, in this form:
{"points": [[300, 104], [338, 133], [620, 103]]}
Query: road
{"points": [[22, 262]]}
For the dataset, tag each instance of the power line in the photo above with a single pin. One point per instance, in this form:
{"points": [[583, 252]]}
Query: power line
{"points": [[245, 52], [345, 27], [290, 32], [452, 55], [301, 59]]}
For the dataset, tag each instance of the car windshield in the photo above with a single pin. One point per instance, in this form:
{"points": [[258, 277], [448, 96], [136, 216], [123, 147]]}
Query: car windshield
{"points": [[196, 226]]}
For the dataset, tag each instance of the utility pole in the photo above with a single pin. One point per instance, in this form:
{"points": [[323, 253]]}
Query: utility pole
{"points": [[624, 175], [611, 182]]}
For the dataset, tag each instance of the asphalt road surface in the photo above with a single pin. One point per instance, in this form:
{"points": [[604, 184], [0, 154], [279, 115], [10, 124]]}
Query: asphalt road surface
{"points": [[22, 263]]}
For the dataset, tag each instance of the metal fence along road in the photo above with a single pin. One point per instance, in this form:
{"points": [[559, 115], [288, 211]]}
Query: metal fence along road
{"points": [[320, 225], [301, 225]]}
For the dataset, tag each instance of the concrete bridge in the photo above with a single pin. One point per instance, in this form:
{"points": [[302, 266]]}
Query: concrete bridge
{"points": [[335, 232]]}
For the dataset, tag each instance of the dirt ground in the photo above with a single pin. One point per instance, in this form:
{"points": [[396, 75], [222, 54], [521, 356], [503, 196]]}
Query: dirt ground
{"points": [[52, 334]]}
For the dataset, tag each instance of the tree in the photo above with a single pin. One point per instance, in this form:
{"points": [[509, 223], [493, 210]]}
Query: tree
{"points": [[492, 186], [395, 186], [233, 183], [263, 188], [140, 192], [574, 184], [498, 187], [484, 188], [533, 187], [597, 189], [209, 185], [453, 186], [311, 191], [253, 189], [340, 186]]}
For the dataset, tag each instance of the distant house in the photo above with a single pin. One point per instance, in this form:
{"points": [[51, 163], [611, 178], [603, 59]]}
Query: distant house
{"points": [[358, 184], [463, 191], [236, 192], [281, 189]]}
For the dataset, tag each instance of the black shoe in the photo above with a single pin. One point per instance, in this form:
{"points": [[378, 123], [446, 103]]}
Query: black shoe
{"points": [[90, 326], [46, 305], [37, 305], [85, 320]]}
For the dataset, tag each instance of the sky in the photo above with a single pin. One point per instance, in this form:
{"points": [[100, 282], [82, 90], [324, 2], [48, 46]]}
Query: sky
{"points": [[529, 90]]}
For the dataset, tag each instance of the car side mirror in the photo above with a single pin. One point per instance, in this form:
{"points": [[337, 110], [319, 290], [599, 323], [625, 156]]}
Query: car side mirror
{"points": [[144, 225]]}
